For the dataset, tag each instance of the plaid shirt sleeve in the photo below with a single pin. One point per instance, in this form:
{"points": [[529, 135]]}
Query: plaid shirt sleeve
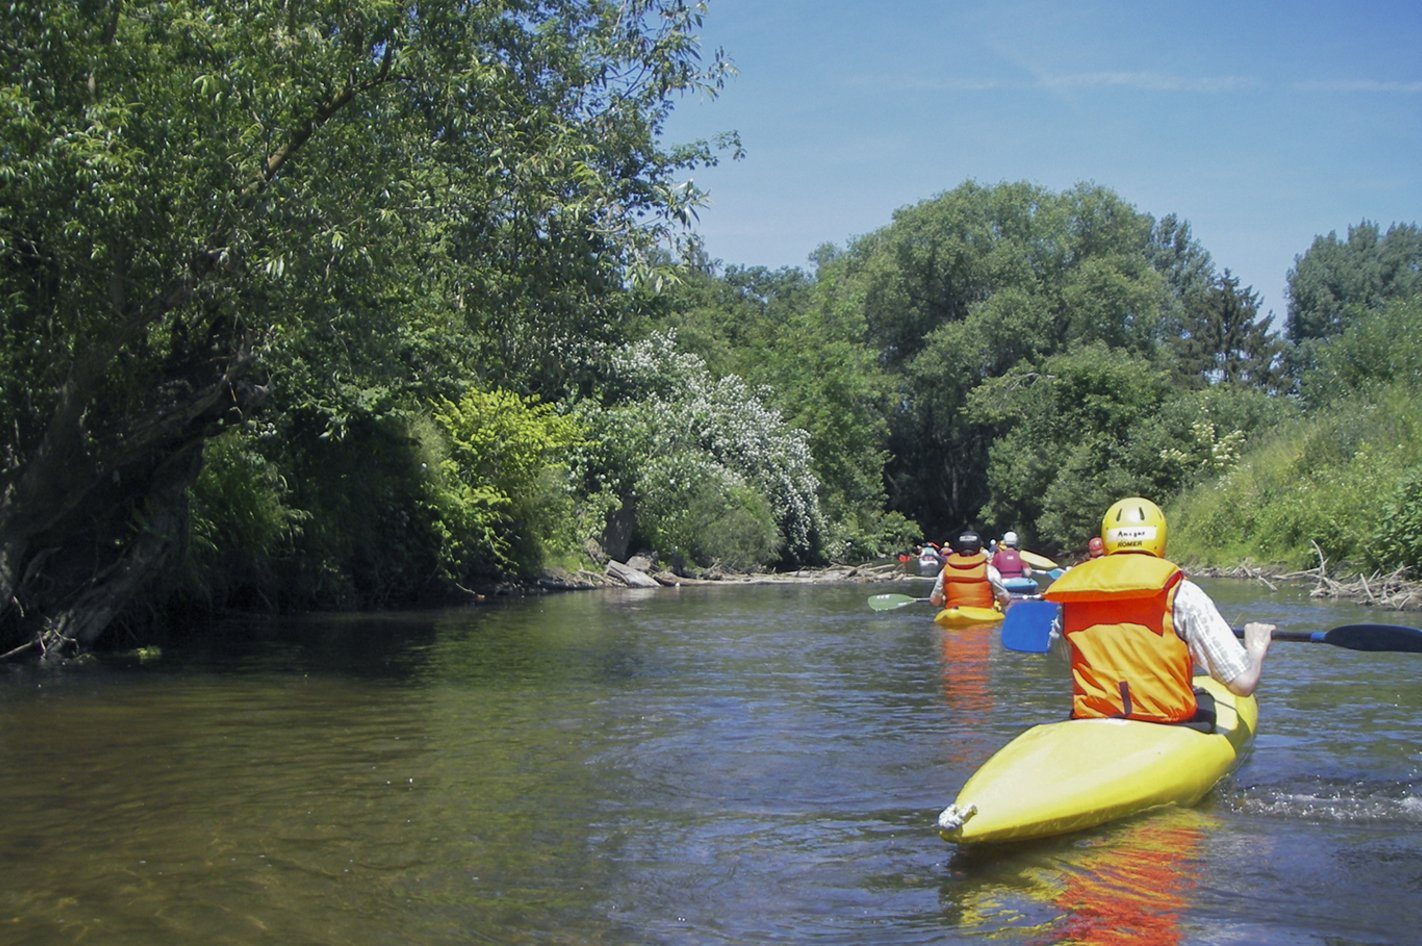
{"points": [[1211, 641]]}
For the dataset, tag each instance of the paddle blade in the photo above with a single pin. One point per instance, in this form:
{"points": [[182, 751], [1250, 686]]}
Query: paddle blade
{"points": [[1027, 625], [890, 602], [1037, 561], [1375, 637]]}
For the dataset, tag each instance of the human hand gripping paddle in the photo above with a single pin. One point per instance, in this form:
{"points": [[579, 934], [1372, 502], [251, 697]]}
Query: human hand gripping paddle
{"points": [[1028, 625]]}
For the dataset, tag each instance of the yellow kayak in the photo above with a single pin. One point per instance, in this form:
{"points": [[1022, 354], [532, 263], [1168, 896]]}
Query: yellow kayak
{"points": [[962, 616], [1065, 776]]}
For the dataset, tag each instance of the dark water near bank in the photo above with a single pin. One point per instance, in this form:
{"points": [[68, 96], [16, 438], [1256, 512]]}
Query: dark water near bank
{"points": [[747, 765]]}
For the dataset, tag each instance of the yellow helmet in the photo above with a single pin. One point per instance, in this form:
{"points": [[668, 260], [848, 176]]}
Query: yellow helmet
{"points": [[1134, 525]]}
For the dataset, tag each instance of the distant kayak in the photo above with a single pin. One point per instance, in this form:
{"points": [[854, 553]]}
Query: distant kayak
{"points": [[1021, 586], [1064, 776], [960, 617]]}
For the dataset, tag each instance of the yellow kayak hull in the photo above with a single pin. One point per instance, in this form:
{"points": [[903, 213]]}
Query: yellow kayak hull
{"points": [[1074, 774], [963, 616]]}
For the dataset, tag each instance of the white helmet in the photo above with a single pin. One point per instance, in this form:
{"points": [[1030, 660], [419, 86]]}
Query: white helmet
{"points": [[1010, 539]]}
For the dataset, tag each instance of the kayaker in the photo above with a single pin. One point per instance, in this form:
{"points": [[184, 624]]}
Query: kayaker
{"points": [[1008, 560], [968, 579], [1095, 548], [1133, 627]]}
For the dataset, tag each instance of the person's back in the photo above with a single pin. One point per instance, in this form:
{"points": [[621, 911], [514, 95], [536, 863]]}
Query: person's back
{"points": [[1008, 560], [1127, 661], [1134, 627], [968, 580], [965, 581]]}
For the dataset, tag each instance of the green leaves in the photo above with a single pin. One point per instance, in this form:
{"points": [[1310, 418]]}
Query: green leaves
{"points": [[213, 212], [492, 484]]}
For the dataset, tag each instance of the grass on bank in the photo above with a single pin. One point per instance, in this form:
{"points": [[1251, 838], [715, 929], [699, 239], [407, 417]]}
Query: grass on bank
{"points": [[1346, 478]]}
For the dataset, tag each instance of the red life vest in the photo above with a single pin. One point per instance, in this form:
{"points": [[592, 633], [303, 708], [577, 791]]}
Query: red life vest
{"points": [[965, 582], [1127, 661], [1008, 562]]}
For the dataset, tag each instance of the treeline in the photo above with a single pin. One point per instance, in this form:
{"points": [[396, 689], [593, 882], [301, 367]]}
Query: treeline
{"points": [[1035, 356], [359, 306]]}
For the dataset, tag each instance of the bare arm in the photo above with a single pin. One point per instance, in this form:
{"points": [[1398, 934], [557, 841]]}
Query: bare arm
{"points": [[1257, 638]]}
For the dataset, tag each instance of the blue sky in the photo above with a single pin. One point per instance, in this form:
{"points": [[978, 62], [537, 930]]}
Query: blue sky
{"points": [[1263, 124]]}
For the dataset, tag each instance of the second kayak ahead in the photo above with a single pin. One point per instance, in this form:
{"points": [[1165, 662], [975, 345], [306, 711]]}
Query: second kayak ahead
{"points": [[1078, 773], [963, 616]]}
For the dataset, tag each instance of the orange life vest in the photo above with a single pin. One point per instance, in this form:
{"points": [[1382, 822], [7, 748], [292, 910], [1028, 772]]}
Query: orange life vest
{"points": [[1127, 661], [965, 582]]}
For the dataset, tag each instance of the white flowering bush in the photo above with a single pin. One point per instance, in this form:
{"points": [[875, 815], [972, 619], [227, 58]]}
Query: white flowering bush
{"points": [[713, 472]]}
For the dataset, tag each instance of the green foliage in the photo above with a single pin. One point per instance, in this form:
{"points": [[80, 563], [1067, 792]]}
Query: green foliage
{"points": [[800, 341], [1380, 352], [705, 513], [316, 215], [1318, 484], [1337, 281], [1397, 540], [500, 495], [371, 538], [243, 530], [1223, 338], [671, 431], [976, 284], [1074, 440]]}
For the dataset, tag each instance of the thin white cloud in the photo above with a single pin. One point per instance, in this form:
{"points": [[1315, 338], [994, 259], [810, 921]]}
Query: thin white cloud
{"points": [[1149, 82], [1143, 81], [1359, 85], [1140, 81]]}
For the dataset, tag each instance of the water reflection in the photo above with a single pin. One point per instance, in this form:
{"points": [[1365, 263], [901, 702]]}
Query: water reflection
{"points": [[1128, 885], [968, 688], [707, 766]]}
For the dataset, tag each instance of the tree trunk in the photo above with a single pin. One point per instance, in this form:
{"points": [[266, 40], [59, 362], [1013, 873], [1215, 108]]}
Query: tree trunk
{"points": [[90, 522]]}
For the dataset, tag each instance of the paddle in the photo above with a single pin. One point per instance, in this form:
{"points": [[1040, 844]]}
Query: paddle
{"points": [[1389, 637], [1037, 561], [890, 602], [1027, 625]]}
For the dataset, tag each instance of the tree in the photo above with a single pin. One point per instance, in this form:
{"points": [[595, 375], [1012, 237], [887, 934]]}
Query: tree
{"points": [[1337, 280], [206, 205], [1224, 340], [973, 284], [798, 339], [695, 465]]}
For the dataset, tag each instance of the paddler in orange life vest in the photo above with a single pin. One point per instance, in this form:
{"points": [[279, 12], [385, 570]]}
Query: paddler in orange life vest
{"points": [[967, 578], [1133, 627], [1008, 560]]}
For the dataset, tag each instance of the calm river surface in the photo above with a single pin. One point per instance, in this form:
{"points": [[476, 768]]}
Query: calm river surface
{"points": [[723, 765]]}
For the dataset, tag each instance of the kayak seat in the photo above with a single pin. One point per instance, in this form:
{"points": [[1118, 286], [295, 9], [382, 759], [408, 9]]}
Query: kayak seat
{"points": [[1204, 718]]}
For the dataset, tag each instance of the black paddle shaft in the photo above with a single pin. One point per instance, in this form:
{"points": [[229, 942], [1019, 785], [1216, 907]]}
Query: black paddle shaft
{"points": [[1375, 637]]}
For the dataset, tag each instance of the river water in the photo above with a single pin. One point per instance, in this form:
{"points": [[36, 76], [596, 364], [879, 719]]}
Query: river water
{"points": [[707, 765]]}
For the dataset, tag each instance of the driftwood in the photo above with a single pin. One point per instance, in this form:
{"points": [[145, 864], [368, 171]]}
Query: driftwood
{"points": [[1394, 591]]}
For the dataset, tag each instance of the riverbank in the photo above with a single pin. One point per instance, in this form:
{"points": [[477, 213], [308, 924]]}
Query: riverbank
{"points": [[640, 572], [1394, 592]]}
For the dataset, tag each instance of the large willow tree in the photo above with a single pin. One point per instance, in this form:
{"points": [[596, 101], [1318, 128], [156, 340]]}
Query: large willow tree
{"points": [[206, 201]]}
